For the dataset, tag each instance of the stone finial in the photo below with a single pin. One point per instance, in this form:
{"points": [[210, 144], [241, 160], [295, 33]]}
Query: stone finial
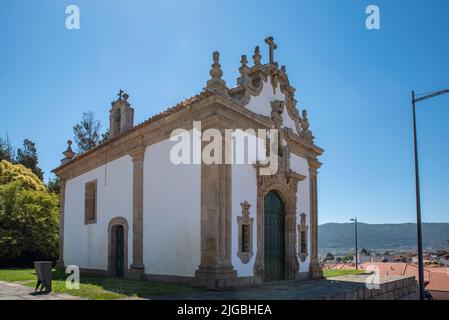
{"points": [[125, 97], [283, 69], [257, 56], [244, 69], [68, 153], [305, 131], [216, 83], [305, 121], [272, 46], [216, 72], [244, 61]]}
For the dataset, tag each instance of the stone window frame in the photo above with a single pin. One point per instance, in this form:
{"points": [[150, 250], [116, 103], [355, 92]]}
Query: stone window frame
{"points": [[303, 240], [245, 220], [92, 217]]}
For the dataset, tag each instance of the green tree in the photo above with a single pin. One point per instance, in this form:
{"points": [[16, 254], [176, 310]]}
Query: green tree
{"points": [[53, 185], [348, 257], [16, 172], [104, 136], [329, 257], [27, 156], [6, 150], [365, 252], [87, 132], [28, 225]]}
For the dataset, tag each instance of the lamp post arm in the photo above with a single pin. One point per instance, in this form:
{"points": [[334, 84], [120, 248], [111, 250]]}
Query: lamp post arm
{"points": [[438, 93]]}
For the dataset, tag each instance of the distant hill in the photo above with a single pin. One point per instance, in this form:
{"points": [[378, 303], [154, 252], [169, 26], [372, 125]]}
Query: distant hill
{"points": [[382, 236]]}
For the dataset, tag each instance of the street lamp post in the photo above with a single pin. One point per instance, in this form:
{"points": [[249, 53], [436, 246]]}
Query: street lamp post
{"points": [[418, 194], [356, 251]]}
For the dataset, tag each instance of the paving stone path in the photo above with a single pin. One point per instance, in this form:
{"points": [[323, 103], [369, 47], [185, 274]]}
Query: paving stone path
{"points": [[15, 291], [349, 285], [287, 290]]}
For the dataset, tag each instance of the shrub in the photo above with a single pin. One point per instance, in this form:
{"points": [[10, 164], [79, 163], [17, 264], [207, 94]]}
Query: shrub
{"points": [[28, 224], [16, 172]]}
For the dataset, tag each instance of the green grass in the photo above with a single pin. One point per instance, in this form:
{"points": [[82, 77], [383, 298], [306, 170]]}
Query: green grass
{"points": [[328, 273], [95, 287]]}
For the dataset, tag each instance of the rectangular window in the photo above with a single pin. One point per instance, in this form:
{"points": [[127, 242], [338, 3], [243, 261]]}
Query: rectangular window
{"points": [[303, 242], [90, 202], [245, 238]]}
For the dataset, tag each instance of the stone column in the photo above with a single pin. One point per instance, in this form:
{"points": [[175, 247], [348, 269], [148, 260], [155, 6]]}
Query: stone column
{"points": [[60, 262], [315, 267], [291, 254], [216, 270], [137, 268]]}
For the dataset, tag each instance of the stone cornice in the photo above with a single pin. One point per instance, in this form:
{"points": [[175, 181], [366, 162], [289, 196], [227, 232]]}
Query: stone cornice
{"points": [[212, 109]]}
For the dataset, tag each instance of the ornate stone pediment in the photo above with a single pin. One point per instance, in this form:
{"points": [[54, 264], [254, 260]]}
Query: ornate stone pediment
{"points": [[251, 83]]}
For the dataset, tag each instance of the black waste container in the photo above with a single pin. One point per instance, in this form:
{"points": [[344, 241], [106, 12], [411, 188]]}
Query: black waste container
{"points": [[44, 275]]}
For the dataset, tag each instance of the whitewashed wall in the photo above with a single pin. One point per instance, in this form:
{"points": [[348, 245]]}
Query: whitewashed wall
{"points": [[261, 104], [172, 214], [244, 188], [87, 245], [244, 179], [301, 166]]}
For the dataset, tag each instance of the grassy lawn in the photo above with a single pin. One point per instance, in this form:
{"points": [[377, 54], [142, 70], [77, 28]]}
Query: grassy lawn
{"points": [[95, 287], [328, 273]]}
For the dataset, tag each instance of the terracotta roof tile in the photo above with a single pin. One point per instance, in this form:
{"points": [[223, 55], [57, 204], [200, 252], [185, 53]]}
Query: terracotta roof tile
{"points": [[439, 281]]}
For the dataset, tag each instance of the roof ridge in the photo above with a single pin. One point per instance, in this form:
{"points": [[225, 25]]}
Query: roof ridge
{"points": [[170, 110]]}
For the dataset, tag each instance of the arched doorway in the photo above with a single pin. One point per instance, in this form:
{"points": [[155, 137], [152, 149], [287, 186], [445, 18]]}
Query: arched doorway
{"points": [[118, 247], [274, 244]]}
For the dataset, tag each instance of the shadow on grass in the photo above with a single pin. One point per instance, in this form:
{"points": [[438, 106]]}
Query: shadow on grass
{"points": [[124, 287]]}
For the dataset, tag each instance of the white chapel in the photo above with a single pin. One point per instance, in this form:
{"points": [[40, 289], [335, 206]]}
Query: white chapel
{"points": [[127, 209]]}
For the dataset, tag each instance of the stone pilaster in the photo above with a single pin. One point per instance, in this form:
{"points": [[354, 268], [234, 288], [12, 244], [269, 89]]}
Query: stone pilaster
{"points": [[60, 262], [291, 259], [216, 270], [315, 267], [137, 267]]}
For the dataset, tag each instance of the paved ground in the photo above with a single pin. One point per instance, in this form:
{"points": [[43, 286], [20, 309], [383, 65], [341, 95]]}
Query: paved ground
{"points": [[287, 290], [282, 290], [13, 291]]}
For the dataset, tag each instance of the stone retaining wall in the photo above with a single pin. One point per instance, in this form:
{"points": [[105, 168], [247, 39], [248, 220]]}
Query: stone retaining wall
{"points": [[390, 288]]}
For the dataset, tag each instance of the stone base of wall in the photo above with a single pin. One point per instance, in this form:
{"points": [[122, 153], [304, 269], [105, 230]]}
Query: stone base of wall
{"points": [[98, 272], [303, 276], [171, 279]]}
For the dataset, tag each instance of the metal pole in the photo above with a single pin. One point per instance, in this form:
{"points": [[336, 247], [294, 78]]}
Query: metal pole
{"points": [[356, 250], [418, 207]]}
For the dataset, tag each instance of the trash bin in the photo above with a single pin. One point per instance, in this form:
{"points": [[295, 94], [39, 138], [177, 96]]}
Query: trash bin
{"points": [[44, 275]]}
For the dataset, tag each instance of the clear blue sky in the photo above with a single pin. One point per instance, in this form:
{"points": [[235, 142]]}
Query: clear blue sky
{"points": [[355, 82]]}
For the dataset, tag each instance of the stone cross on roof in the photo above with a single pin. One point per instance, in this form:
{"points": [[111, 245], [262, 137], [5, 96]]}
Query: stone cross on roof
{"points": [[273, 46]]}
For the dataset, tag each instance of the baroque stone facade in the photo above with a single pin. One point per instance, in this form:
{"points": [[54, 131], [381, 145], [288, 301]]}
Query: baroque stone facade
{"points": [[221, 108]]}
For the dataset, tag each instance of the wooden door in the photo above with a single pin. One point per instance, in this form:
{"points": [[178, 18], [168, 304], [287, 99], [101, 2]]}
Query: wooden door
{"points": [[274, 246]]}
